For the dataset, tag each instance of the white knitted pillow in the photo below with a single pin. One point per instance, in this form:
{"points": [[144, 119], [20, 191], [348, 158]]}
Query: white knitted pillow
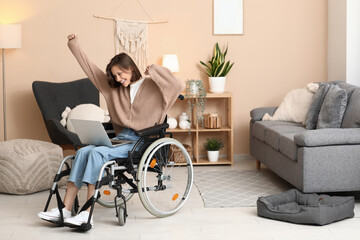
{"points": [[295, 105], [84, 112]]}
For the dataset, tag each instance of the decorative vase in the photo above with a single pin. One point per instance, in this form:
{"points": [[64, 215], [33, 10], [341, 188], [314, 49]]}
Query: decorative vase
{"points": [[217, 84], [213, 156], [184, 121], [184, 125], [172, 122]]}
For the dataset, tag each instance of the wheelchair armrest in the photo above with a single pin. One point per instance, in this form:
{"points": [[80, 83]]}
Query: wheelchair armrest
{"points": [[152, 130]]}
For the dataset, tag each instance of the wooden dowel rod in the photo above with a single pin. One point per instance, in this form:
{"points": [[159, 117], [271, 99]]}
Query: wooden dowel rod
{"points": [[127, 20]]}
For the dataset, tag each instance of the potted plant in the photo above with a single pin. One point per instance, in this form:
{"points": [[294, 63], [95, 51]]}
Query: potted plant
{"points": [[213, 145], [217, 69]]}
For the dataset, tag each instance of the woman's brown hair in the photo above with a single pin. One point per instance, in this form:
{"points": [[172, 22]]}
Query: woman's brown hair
{"points": [[123, 61]]}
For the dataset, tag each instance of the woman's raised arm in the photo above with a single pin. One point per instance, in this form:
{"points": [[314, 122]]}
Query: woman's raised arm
{"points": [[95, 74]]}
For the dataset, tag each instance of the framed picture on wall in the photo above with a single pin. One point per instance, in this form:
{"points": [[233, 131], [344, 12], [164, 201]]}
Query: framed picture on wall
{"points": [[228, 17]]}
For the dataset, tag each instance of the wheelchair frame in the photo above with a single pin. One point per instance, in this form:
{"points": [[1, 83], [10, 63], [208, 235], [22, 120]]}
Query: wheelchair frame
{"points": [[115, 177]]}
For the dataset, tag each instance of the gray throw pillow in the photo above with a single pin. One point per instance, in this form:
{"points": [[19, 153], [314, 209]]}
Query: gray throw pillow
{"points": [[314, 110], [352, 113], [349, 88], [333, 108]]}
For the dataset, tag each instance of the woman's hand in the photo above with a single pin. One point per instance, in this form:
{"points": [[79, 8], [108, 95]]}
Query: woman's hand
{"points": [[72, 36], [147, 70]]}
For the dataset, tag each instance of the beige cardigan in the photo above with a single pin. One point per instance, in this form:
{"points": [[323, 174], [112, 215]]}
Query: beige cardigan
{"points": [[154, 97]]}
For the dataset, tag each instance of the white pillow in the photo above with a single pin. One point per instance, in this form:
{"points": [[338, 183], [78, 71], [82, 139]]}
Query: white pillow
{"points": [[295, 106], [85, 112]]}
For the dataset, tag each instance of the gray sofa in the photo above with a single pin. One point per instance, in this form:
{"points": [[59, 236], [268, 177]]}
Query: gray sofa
{"points": [[315, 160]]}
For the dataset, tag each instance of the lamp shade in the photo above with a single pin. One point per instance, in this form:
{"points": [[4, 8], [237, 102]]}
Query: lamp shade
{"points": [[171, 62], [10, 36]]}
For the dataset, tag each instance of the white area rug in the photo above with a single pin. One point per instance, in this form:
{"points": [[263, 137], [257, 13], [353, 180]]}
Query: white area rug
{"points": [[235, 188]]}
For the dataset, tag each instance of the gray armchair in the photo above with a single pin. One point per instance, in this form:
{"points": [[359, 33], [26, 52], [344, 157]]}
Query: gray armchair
{"points": [[52, 99]]}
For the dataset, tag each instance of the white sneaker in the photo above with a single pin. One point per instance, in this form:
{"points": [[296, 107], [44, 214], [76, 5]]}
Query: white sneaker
{"points": [[79, 219], [54, 214]]}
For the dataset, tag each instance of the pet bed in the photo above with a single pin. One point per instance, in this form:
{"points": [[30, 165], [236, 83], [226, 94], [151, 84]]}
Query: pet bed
{"points": [[296, 207]]}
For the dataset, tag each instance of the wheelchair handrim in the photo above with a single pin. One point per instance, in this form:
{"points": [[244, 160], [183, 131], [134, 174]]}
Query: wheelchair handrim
{"points": [[144, 164]]}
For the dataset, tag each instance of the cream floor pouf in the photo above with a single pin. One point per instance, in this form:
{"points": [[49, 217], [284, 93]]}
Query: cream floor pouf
{"points": [[28, 166]]}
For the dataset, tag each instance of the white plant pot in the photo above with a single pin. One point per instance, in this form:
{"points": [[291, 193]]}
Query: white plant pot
{"points": [[217, 84], [213, 156], [194, 89]]}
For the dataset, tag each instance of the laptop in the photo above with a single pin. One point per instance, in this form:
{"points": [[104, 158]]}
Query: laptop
{"points": [[93, 133]]}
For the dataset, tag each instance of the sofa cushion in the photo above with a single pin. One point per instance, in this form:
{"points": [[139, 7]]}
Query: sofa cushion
{"points": [[259, 128], [287, 145], [328, 137], [352, 112], [333, 108], [315, 107], [273, 133]]}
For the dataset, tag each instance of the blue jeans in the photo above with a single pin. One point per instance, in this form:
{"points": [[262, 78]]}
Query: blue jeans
{"points": [[88, 160]]}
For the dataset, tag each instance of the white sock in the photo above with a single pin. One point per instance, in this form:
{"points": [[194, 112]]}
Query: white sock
{"points": [[66, 213]]}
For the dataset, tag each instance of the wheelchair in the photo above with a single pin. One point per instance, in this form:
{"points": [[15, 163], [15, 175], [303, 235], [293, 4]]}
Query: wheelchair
{"points": [[158, 168]]}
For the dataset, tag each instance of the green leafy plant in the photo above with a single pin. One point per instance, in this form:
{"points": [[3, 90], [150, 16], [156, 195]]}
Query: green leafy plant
{"points": [[217, 67], [213, 144], [196, 97]]}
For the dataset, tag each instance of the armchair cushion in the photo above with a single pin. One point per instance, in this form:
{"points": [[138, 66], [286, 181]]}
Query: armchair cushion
{"points": [[60, 135]]}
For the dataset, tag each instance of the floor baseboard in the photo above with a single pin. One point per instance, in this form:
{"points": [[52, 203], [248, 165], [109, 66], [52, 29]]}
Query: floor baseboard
{"points": [[243, 157]]}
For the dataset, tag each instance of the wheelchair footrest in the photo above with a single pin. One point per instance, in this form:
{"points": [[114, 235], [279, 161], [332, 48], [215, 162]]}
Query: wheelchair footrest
{"points": [[59, 223], [82, 227]]}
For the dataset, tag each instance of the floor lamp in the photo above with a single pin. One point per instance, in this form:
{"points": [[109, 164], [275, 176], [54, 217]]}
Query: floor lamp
{"points": [[10, 37]]}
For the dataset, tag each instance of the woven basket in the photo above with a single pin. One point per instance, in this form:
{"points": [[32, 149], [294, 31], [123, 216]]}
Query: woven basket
{"points": [[176, 155]]}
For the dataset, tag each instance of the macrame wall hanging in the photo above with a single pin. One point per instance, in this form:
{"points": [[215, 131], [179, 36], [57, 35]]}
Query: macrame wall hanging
{"points": [[131, 37]]}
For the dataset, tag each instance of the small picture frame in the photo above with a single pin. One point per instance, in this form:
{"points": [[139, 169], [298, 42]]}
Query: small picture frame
{"points": [[228, 17]]}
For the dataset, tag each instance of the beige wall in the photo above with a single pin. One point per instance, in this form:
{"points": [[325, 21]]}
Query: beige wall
{"points": [[283, 47], [336, 51]]}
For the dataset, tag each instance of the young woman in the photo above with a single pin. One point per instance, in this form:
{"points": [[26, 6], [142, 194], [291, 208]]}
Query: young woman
{"points": [[134, 102]]}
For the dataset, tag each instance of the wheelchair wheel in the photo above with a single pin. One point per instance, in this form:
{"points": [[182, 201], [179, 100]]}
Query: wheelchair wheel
{"points": [[108, 195], [121, 216], [165, 177]]}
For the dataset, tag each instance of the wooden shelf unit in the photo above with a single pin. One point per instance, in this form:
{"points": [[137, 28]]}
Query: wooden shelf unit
{"points": [[198, 134]]}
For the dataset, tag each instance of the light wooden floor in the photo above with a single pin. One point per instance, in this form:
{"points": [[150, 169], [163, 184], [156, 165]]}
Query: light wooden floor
{"points": [[18, 220]]}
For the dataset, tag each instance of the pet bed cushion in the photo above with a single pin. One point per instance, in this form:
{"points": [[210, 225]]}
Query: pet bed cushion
{"points": [[296, 207]]}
